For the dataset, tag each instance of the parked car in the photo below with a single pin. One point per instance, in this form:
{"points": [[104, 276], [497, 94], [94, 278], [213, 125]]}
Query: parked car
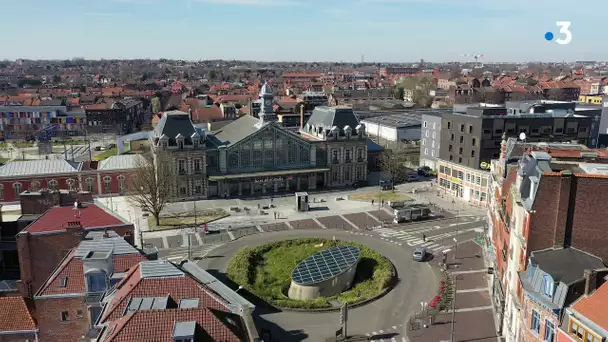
{"points": [[419, 254], [424, 171], [386, 185], [413, 177]]}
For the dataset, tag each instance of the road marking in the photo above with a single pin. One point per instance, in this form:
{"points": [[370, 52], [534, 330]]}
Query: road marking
{"points": [[374, 333], [372, 216], [165, 242], [394, 327], [479, 308], [382, 331], [348, 221], [199, 239], [259, 228], [231, 235], [468, 272], [289, 225], [479, 289], [319, 223]]}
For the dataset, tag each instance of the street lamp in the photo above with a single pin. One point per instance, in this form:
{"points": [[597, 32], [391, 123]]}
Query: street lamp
{"points": [[455, 247], [239, 288]]}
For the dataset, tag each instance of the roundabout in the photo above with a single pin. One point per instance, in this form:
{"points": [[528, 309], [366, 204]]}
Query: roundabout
{"points": [[312, 273], [414, 283]]}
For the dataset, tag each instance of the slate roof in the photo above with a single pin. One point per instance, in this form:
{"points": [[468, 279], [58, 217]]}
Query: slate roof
{"points": [[236, 131], [173, 123], [15, 315], [18, 169], [120, 162], [328, 117], [565, 265], [593, 307], [157, 325], [89, 216]]}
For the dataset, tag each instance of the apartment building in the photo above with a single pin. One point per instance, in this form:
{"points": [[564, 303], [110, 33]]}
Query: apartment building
{"points": [[26, 122]]}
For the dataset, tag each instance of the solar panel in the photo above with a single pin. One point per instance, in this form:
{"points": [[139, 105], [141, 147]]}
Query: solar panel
{"points": [[325, 265]]}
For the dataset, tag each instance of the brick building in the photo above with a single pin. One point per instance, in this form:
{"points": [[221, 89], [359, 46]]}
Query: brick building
{"points": [[109, 176], [553, 280], [16, 322], [44, 243], [70, 299], [545, 195]]}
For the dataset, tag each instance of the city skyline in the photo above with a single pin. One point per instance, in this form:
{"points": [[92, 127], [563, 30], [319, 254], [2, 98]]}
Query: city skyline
{"points": [[300, 30]]}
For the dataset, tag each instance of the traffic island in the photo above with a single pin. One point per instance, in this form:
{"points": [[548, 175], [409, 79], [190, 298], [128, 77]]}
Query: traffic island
{"points": [[266, 272]]}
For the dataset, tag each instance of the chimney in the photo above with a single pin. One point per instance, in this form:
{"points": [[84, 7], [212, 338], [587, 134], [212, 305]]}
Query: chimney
{"points": [[302, 116], [590, 281], [74, 225]]}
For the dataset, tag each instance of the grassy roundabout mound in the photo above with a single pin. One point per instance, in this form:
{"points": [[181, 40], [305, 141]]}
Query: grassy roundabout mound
{"points": [[266, 272]]}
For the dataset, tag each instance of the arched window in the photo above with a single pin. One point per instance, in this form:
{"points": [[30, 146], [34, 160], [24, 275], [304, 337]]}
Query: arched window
{"points": [[71, 183], [34, 186], [89, 184], [18, 187], [107, 184], [52, 184], [121, 184]]}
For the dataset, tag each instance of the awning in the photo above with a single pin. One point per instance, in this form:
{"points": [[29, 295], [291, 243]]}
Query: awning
{"points": [[267, 174]]}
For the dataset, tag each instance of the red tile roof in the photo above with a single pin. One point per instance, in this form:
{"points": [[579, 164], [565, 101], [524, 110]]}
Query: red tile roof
{"points": [[594, 306], [178, 287], [157, 325], [73, 270], [14, 315], [89, 216]]}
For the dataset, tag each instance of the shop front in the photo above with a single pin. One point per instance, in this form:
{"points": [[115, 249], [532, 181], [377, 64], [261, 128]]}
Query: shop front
{"points": [[263, 183]]}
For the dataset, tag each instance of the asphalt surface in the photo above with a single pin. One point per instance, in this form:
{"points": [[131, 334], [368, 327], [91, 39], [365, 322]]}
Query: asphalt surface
{"points": [[417, 282]]}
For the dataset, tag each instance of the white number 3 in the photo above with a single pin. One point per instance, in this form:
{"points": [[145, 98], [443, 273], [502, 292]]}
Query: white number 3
{"points": [[564, 28]]}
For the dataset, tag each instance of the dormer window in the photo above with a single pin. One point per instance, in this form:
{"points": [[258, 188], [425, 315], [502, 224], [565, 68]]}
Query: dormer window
{"points": [[96, 282], [180, 144], [548, 286]]}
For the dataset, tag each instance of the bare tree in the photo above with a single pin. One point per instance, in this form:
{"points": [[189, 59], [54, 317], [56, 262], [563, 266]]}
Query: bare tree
{"points": [[152, 183], [392, 162]]}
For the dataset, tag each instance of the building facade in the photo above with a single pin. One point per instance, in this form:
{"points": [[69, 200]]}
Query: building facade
{"points": [[582, 320], [430, 139], [26, 122], [463, 183], [256, 156], [120, 117]]}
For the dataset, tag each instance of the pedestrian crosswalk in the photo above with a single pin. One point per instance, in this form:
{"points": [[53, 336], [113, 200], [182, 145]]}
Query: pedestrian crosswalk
{"points": [[433, 243], [181, 253]]}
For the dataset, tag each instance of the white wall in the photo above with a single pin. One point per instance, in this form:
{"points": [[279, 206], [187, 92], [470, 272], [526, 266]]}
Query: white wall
{"points": [[392, 133]]}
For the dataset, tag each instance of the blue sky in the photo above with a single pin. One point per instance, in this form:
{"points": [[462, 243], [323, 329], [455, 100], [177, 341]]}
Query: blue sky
{"points": [[302, 30]]}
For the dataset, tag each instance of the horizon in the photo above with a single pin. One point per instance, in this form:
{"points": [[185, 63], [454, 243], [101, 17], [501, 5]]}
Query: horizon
{"points": [[377, 31]]}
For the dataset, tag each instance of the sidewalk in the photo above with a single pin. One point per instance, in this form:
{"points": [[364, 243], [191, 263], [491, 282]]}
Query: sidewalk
{"points": [[425, 193], [473, 317]]}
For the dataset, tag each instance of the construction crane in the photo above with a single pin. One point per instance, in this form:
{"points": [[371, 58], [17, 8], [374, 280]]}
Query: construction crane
{"points": [[476, 57]]}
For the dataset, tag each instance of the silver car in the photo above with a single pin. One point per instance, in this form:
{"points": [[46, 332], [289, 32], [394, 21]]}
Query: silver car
{"points": [[419, 254]]}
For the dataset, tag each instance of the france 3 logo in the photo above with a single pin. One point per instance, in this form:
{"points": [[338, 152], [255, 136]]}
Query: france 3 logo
{"points": [[564, 30]]}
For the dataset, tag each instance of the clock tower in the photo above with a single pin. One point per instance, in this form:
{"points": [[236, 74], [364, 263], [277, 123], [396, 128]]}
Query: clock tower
{"points": [[267, 111]]}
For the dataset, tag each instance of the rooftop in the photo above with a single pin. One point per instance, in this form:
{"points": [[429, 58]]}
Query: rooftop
{"points": [[15, 315], [89, 216], [50, 167], [593, 307], [566, 265], [401, 120]]}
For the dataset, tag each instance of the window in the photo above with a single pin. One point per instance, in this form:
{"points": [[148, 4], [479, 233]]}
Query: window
{"points": [[182, 190], [180, 144], [89, 184], [535, 321], [79, 314], [460, 150], [470, 129], [121, 184], [473, 154], [461, 128], [452, 137], [347, 175], [52, 184], [576, 330], [432, 153], [461, 139], [107, 181], [434, 125], [433, 144], [18, 187], [334, 156], [426, 134], [449, 125], [347, 156], [426, 151], [498, 131], [474, 141], [198, 189], [425, 124], [65, 316], [63, 282], [96, 282], [181, 166], [70, 182], [334, 176], [423, 141], [449, 148], [549, 331], [197, 165]]}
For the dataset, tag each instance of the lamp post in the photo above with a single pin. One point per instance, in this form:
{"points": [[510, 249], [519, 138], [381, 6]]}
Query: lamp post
{"points": [[455, 247]]}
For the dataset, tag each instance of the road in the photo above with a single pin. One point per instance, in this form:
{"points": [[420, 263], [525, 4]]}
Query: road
{"points": [[384, 318]]}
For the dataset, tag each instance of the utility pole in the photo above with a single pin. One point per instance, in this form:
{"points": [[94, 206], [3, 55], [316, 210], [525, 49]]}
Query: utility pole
{"points": [[453, 310]]}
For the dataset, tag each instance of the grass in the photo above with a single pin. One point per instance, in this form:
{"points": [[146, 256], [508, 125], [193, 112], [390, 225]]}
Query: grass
{"points": [[3, 160], [106, 154], [178, 220], [266, 272], [378, 196], [69, 142], [23, 144]]}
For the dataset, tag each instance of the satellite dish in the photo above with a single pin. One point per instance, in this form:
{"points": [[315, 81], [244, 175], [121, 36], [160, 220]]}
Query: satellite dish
{"points": [[522, 136]]}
